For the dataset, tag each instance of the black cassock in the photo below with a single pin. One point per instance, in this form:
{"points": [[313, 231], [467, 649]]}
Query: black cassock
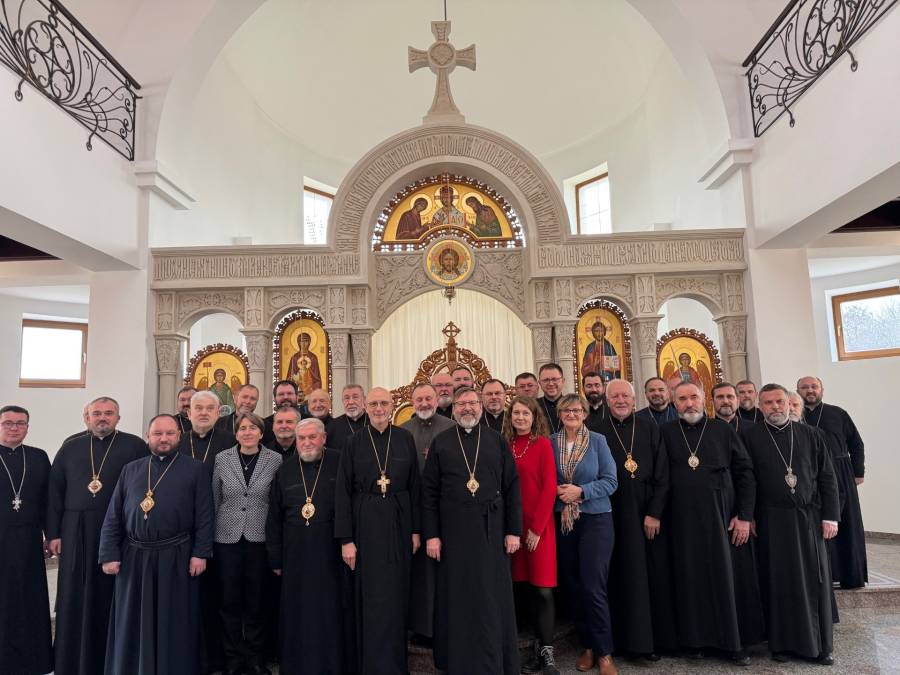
{"points": [[753, 415], [475, 618], [793, 564], [847, 551], [381, 525], [154, 624], [74, 515], [342, 428], [24, 603], [204, 449], [317, 596], [597, 418], [493, 421], [717, 600], [640, 579]]}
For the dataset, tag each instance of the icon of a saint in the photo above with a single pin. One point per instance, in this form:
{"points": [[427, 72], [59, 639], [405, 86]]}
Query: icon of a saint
{"points": [[450, 267], [411, 225], [448, 214], [304, 366], [486, 221], [222, 390], [600, 356]]}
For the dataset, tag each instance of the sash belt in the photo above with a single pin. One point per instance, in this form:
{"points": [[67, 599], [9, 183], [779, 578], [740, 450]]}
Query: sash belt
{"points": [[159, 544]]}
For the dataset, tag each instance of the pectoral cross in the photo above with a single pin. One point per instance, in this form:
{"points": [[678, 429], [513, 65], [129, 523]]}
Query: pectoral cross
{"points": [[383, 483], [17, 503], [442, 57]]}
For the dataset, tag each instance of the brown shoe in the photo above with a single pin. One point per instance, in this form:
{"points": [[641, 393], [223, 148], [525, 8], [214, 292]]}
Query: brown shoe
{"points": [[586, 661], [607, 665]]}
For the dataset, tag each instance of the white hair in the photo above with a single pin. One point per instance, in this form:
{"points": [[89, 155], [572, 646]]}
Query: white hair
{"points": [[627, 384], [314, 421], [204, 395]]}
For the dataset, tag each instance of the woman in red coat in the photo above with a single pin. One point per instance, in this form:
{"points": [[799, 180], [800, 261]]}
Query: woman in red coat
{"points": [[525, 429]]}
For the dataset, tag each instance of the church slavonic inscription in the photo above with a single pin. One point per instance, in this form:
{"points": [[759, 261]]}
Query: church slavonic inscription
{"points": [[650, 252], [252, 266]]}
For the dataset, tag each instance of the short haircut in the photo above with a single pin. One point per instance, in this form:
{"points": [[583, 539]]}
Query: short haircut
{"points": [[253, 418], [568, 399], [186, 389], [685, 384], [422, 385], [163, 415], [105, 399], [772, 386], [723, 385], [619, 380], [653, 379], [16, 409], [290, 409], [539, 424], [348, 387], [205, 394], [550, 366], [742, 382], [493, 380], [458, 368], [525, 376], [248, 386], [589, 374], [314, 421], [808, 377], [284, 383], [464, 390]]}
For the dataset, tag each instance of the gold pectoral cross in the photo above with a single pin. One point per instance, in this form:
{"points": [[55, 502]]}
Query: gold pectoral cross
{"points": [[383, 483]]}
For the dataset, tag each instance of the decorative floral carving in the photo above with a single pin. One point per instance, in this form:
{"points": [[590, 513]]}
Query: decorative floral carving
{"points": [[499, 273], [541, 337], [167, 352], [257, 346], [358, 306], [617, 287], [646, 336], [542, 299], [646, 293], [707, 286], [192, 303], [735, 330], [165, 311], [335, 305], [397, 277], [563, 334], [734, 291], [281, 299], [360, 346], [338, 342], [564, 297], [253, 307]]}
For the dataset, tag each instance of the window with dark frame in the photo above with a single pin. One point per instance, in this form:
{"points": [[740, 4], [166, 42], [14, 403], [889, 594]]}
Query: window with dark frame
{"points": [[592, 206], [316, 207], [54, 354], [867, 323]]}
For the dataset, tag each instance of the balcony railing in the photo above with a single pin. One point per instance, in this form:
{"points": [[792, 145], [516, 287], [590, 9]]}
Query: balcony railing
{"points": [[46, 46], [805, 40]]}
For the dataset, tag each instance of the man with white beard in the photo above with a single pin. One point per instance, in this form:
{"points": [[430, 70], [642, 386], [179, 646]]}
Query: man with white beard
{"points": [[471, 523], [424, 425], [795, 404], [711, 499], [443, 385], [353, 398], [797, 509]]}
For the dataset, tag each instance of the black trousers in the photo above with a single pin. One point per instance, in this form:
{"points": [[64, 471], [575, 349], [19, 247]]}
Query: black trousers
{"points": [[583, 555], [242, 569]]}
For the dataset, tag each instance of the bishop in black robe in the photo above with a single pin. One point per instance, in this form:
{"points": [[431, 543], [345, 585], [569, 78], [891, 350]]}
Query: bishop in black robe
{"points": [[342, 428], [847, 551], [317, 594], [154, 625], [475, 621], [380, 522], [25, 647], [74, 518], [640, 579], [424, 571], [794, 571], [716, 588]]}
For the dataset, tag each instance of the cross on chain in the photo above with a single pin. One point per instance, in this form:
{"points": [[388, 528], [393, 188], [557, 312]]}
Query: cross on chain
{"points": [[383, 483], [442, 58]]}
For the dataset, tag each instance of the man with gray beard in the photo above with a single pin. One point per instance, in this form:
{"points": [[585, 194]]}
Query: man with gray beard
{"points": [[443, 385], [424, 425], [472, 521], [304, 553], [795, 405], [711, 499], [797, 509]]}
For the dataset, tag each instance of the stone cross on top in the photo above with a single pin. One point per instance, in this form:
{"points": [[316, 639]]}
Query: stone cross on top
{"points": [[442, 57]]}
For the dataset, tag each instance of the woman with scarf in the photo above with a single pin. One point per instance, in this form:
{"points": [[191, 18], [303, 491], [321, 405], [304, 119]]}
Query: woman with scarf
{"points": [[586, 477]]}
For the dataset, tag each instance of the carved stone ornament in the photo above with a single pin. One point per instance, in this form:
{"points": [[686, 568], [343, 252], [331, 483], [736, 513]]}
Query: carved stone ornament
{"points": [[283, 299], [734, 292], [253, 307], [707, 286], [191, 265], [339, 342], [208, 301], [360, 345], [257, 347], [336, 296], [735, 329], [562, 335], [542, 299], [646, 336], [620, 288], [542, 337], [358, 306], [499, 273], [165, 312], [168, 351], [398, 277], [564, 297], [645, 293]]}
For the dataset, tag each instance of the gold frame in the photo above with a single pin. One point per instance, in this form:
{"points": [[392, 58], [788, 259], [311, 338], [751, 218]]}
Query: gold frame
{"points": [[838, 323], [206, 352], [711, 350], [612, 308], [29, 383], [279, 333]]}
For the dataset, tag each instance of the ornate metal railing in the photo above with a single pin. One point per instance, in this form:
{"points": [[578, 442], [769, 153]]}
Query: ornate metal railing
{"points": [[805, 40], [43, 44]]}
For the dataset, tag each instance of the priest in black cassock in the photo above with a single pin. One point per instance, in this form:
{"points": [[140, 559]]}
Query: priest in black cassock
{"points": [[207, 439], [318, 406], [353, 398], [659, 408], [472, 523], [284, 431], [317, 595], [156, 537], [377, 514], [725, 403], [747, 397], [24, 604], [797, 509], [284, 394], [82, 479], [594, 393], [847, 551], [550, 377], [493, 403], [424, 425], [443, 385], [712, 494], [640, 580], [183, 416]]}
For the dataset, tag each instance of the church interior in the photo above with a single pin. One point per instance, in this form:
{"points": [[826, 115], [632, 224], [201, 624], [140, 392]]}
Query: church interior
{"points": [[273, 188]]}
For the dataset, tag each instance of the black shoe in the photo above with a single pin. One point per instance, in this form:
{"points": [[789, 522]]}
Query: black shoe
{"points": [[653, 657], [740, 658], [533, 663], [781, 657], [548, 662], [825, 659]]}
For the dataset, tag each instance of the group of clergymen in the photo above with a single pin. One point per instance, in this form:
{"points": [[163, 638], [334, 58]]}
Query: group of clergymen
{"points": [[744, 550]]}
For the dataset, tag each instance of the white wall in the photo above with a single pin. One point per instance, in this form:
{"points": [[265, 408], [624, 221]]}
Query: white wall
{"points": [[862, 388], [55, 413], [214, 329], [687, 313]]}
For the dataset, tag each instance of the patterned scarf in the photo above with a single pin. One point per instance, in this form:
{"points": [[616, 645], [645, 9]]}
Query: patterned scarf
{"points": [[568, 462]]}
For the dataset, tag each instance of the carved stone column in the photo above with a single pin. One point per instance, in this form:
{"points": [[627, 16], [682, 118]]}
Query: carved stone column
{"points": [[169, 368], [360, 348], [643, 346], [563, 334], [734, 330], [542, 345], [340, 343], [259, 354]]}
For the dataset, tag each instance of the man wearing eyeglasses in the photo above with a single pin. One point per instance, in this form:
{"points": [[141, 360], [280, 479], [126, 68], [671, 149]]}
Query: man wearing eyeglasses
{"points": [[550, 377], [24, 611]]}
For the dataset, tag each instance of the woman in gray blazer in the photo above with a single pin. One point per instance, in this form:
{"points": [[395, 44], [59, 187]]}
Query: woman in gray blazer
{"points": [[242, 478]]}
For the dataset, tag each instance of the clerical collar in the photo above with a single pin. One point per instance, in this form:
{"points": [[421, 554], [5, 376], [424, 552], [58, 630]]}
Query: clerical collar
{"points": [[355, 419], [468, 431], [497, 416], [103, 438], [623, 421], [380, 433], [551, 400], [695, 424], [203, 435], [312, 462], [10, 450], [163, 457]]}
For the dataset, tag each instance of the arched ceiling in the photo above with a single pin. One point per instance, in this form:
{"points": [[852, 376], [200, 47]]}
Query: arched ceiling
{"points": [[333, 75]]}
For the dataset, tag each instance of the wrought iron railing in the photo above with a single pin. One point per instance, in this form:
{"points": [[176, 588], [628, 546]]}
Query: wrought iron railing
{"points": [[805, 40], [46, 46]]}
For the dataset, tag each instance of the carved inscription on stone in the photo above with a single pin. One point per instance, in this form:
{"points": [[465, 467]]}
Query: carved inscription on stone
{"points": [[200, 267], [191, 303], [649, 252]]}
